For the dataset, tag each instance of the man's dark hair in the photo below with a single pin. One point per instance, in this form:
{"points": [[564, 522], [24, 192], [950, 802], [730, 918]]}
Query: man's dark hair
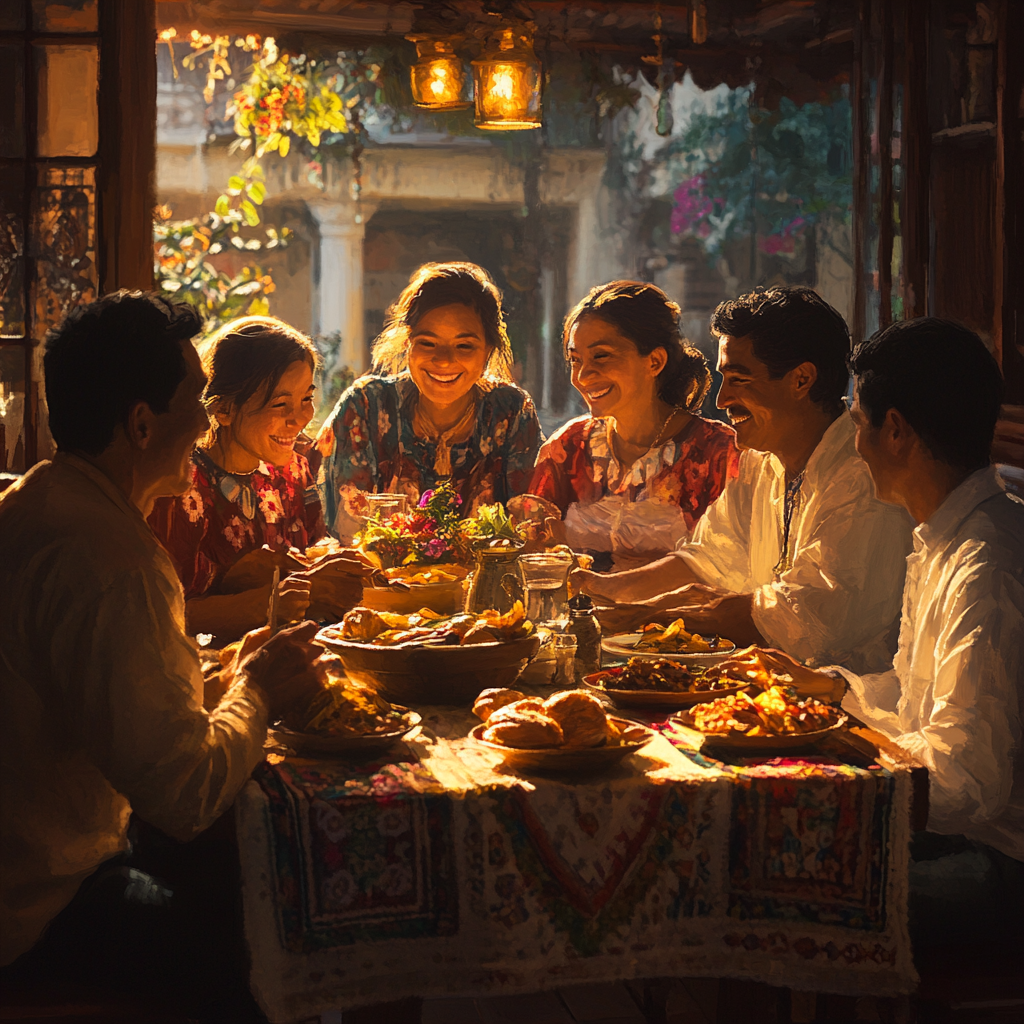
{"points": [[941, 378], [790, 326], [108, 355]]}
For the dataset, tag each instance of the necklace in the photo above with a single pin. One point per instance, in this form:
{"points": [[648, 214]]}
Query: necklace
{"points": [[657, 436], [424, 427], [789, 505]]}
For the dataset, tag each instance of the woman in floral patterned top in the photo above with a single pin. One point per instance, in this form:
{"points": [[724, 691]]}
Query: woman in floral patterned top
{"points": [[634, 476], [440, 404], [252, 496]]}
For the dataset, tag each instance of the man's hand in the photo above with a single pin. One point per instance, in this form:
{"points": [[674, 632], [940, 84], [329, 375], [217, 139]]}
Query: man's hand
{"points": [[255, 569], [625, 618], [287, 670], [806, 681], [600, 586], [336, 584], [294, 599]]}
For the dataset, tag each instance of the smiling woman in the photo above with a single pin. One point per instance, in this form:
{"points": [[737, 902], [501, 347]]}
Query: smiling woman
{"points": [[250, 489], [633, 476], [440, 404]]}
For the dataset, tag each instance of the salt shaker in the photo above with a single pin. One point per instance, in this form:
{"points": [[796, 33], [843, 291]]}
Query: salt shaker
{"points": [[584, 626]]}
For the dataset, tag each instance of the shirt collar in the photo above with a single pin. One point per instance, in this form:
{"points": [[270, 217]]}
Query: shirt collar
{"points": [[100, 479], [959, 504], [831, 449]]}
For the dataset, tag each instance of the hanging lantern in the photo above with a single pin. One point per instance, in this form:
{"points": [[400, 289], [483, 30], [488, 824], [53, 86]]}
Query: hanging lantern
{"points": [[506, 84], [438, 81]]}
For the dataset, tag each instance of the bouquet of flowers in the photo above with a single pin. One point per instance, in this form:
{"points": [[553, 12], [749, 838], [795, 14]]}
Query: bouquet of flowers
{"points": [[434, 532], [430, 533]]}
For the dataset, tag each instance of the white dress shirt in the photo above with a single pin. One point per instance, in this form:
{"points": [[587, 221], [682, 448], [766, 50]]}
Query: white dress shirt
{"points": [[101, 695], [839, 600], [955, 695]]}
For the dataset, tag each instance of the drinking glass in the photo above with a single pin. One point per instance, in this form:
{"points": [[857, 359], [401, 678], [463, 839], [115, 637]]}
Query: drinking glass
{"points": [[545, 579], [385, 504]]}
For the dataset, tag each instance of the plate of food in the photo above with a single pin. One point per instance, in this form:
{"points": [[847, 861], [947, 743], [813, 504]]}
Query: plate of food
{"points": [[405, 589], [345, 718], [660, 683], [672, 643], [568, 732], [430, 658], [774, 719]]}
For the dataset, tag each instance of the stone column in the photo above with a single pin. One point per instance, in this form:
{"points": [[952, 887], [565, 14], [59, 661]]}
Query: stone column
{"points": [[338, 289]]}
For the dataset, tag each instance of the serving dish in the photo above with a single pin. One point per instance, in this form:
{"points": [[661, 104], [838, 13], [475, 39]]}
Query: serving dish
{"points": [[324, 744], [570, 759], [601, 683], [623, 645], [740, 742], [421, 674]]}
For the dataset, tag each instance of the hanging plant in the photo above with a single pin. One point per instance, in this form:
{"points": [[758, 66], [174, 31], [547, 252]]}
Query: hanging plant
{"points": [[183, 251], [284, 98]]}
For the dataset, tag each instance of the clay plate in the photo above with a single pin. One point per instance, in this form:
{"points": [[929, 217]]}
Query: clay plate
{"points": [[308, 744], [669, 699], [563, 759]]}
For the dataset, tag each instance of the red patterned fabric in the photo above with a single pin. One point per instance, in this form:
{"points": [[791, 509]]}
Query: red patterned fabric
{"points": [[224, 516], [690, 470]]}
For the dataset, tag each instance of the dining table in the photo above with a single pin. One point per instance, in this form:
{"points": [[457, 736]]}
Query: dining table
{"points": [[436, 870]]}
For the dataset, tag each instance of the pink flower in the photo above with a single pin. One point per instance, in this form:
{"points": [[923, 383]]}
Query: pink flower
{"points": [[271, 505], [237, 532]]}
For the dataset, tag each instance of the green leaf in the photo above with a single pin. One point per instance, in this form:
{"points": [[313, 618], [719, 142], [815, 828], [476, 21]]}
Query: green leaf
{"points": [[235, 185], [222, 207], [252, 218], [256, 192]]}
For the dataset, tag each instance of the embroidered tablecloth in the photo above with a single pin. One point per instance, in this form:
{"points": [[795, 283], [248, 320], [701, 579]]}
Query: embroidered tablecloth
{"points": [[437, 872]]}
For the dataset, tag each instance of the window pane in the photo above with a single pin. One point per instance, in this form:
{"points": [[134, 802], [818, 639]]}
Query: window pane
{"points": [[12, 408], [63, 242], [68, 120], [12, 106], [64, 16], [12, 253]]}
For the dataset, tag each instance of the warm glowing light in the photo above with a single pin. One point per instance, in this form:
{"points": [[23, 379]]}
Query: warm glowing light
{"points": [[437, 79], [507, 84]]}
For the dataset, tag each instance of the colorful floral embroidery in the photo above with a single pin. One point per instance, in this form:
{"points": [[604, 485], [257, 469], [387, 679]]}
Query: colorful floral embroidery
{"points": [[690, 470], [206, 532], [368, 445]]}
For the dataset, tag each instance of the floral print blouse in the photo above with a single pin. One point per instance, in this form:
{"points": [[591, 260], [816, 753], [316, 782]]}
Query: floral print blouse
{"points": [[689, 470], [224, 516], [368, 445]]}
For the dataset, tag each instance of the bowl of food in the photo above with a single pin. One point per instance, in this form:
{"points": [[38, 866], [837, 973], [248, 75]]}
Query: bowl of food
{"points": [[774, 719], [671, 643], [406, 589], [346, 718], [660, 683], [568, 732], [428, 658]]}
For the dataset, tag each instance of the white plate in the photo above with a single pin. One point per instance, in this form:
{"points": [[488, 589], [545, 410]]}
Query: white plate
{"points": [[624, 646]]}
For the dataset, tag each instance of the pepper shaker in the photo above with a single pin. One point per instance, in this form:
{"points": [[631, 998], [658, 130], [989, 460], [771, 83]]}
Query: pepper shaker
{"points": [[583, 624]]}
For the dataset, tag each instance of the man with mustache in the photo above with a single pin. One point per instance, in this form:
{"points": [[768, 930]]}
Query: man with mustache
{"points": [[797, 552]]}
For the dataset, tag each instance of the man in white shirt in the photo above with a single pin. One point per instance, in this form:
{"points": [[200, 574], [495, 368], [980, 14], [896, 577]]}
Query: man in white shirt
{"points": [[101, 691], [927, 398], [797, 552]]}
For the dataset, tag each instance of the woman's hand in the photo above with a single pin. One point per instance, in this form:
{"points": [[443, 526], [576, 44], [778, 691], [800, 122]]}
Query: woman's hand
{"points": [[294, 594], [255, 569], [336, 584]]}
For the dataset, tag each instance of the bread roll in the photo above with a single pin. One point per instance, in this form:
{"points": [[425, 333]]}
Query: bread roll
{"points": [[526, 704], [490, 700], [581, 716], [527, 729]]}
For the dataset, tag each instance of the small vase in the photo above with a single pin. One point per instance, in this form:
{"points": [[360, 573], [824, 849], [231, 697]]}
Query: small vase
{"points": [[496, 584]]}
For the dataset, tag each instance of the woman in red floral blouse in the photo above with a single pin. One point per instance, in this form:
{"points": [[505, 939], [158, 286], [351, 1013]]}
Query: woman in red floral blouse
{"points": [[633, 477], [253, 497]]}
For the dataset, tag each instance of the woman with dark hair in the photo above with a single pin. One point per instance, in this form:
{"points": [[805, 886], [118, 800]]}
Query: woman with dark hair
{"points": [[632, 477], [440, 404], [252, 497]]}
